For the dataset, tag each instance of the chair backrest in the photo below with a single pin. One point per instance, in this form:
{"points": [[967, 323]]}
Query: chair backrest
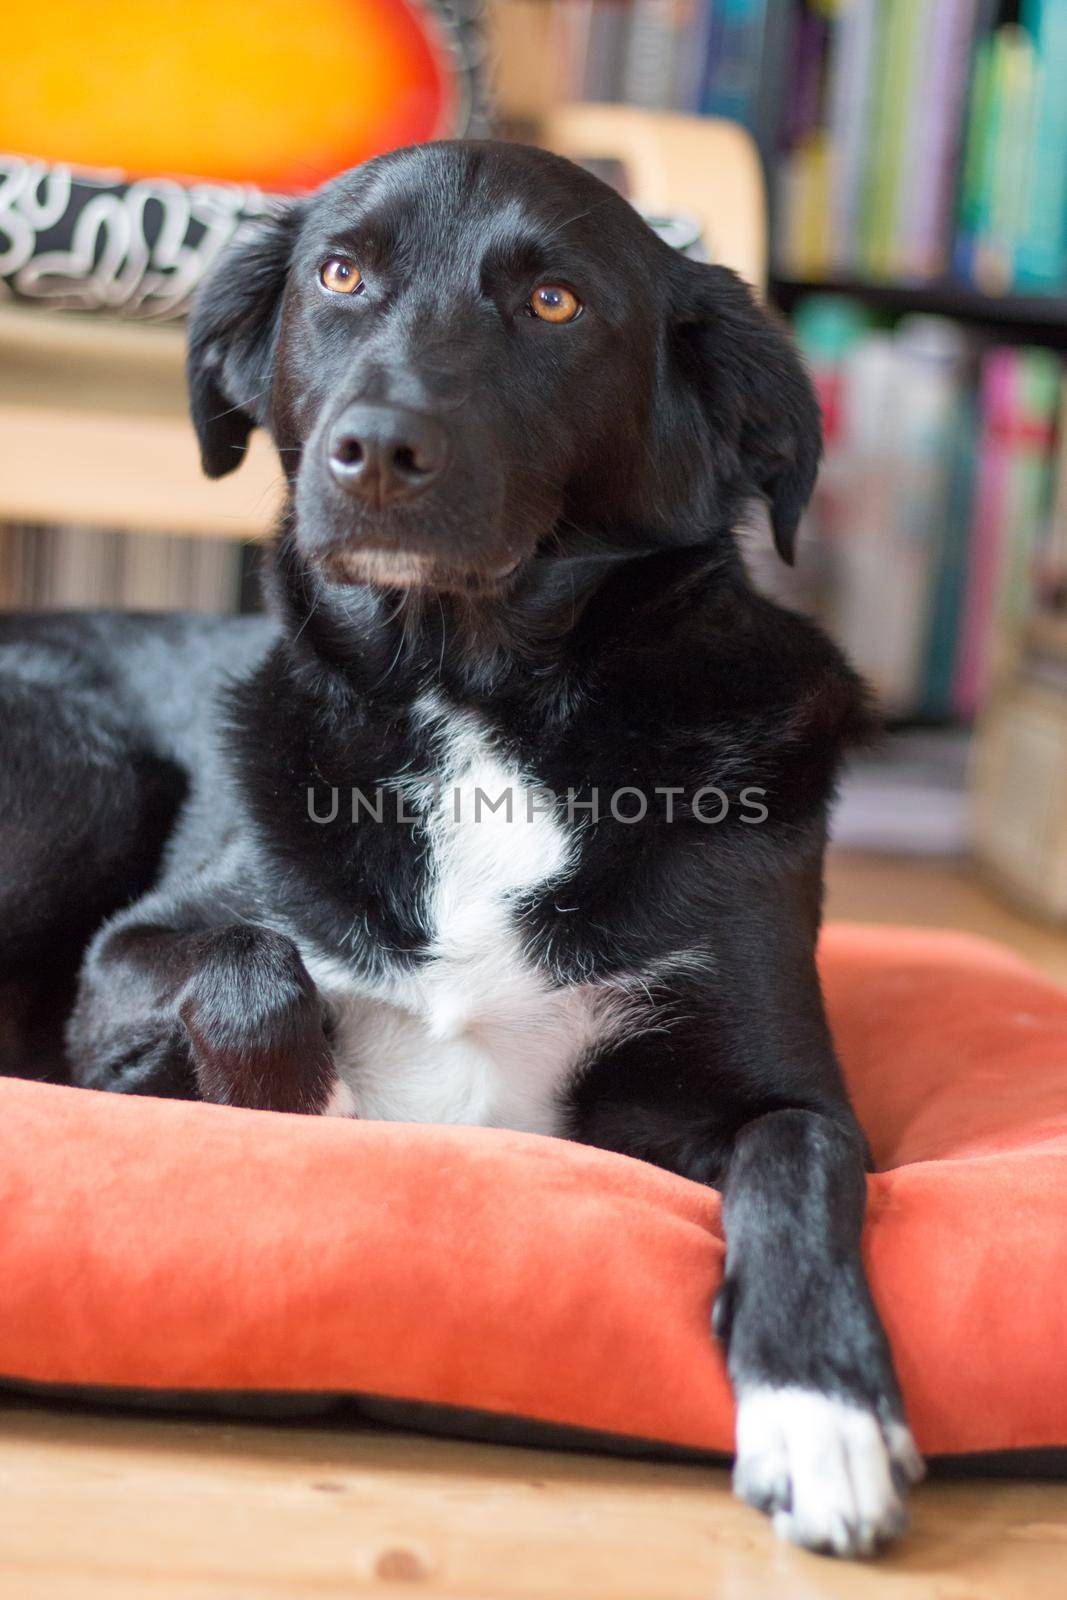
{"points": [[704, 167]]}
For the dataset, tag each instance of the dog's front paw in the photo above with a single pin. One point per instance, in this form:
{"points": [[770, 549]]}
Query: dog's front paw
{"points": [[256, 1027], [828, 1471]]}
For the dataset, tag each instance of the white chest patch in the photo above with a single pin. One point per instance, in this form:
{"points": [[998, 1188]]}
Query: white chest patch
{"points": [[477, 1034]]}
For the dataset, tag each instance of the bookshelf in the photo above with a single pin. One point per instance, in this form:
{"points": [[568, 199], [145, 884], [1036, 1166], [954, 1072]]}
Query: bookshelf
{"points": [[1016, 318]]}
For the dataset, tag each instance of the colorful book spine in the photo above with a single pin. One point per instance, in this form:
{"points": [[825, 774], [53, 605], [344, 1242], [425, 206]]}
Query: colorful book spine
{"points": [[1019, 395], [804, 198], [1038, 389], [922, 238], [852, 54], [802, 108], [693, 54], [950, 578], [827, 327], [570, 25], [648, 78], [1014, 98], [987, 533], [864, 481], [804, 183], [899, 111], [932, 362], [732, 83], [605, 61], [979, 132], [1040, 260]]}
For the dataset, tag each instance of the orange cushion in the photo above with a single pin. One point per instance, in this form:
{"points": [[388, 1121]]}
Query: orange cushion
{"points": [[308, 91], [181, 1246]]}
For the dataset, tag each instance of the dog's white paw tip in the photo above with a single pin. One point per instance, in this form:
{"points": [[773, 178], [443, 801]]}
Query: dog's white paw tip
{"points": [[824, 1468], [833, 1536], [904, 1453]]}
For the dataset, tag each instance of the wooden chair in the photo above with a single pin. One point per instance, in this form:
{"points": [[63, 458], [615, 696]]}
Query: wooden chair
{"points": [[95, 429], [93, 412], [703, 167]]}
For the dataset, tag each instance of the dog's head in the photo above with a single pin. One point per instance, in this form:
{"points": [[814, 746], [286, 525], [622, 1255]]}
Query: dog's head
{"points": [[467, 353]]}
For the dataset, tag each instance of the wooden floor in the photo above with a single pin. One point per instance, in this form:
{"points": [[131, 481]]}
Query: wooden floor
{"points": [[880, 889], [108, 1507], [105, 1506]]}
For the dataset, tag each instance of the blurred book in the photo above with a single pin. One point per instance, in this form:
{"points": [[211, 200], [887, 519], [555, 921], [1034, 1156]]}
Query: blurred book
{"points": [[940, 512], [850, 67], [930, 374], [604, 47], [909, 798], [1020, 395], [1052, 551], [892, 84], [906, 140], [655, 39], [719, 58], [734, 45], [1003, 168], [82, 568], [921, 233], [950, 576], [895, 406], [1041, 247]]}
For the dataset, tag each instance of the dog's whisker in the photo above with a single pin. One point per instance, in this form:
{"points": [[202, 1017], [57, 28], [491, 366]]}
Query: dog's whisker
{"points": [[241, 405]]}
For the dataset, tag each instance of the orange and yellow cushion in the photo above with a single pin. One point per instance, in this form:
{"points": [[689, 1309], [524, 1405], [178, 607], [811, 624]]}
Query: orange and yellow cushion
{"points": [[274, 94]]}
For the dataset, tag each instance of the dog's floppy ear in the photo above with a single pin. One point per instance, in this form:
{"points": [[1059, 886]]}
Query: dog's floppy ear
{"points": [[233, 327], [757, 398]]}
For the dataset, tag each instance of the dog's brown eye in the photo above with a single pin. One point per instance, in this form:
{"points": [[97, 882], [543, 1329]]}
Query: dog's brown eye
{"points": [[340, 275], [552, 303]]}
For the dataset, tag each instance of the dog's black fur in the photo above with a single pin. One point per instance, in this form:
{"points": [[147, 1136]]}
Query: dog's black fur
{"points": [[568, 572]]}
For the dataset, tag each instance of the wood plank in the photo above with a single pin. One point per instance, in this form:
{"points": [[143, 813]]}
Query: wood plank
{"points": [[105, 1505], [138, 472], [95, 427]]}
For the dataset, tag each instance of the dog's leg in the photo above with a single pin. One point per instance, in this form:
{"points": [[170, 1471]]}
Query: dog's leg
{"points": [[228, 1014], [822, 1444], [734, 1082]]}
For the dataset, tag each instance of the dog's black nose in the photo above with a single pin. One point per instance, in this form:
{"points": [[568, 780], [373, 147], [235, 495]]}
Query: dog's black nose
{"points": [[384, 454]]}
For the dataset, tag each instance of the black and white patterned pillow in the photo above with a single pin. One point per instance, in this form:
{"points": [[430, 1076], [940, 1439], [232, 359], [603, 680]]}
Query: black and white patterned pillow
{"points": [[99, 242], [136, 248]]}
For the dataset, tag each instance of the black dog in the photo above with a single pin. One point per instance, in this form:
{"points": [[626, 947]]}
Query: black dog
{"points": [[515, 814]]}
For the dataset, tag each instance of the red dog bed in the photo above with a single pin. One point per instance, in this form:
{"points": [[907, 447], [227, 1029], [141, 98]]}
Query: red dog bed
{"points": [[175, 1246]]}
